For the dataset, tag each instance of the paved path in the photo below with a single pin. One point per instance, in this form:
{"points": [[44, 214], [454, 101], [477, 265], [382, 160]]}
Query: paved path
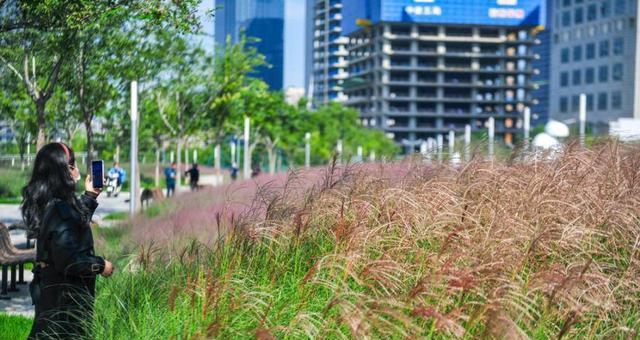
{"points": [[20, 302]]}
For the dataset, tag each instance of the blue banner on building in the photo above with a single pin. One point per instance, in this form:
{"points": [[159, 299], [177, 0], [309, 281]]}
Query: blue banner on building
{"points": [[461, 12]]}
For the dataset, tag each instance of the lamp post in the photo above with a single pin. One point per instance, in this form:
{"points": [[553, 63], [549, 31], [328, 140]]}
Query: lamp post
{"points": [[452, 142], [440, 145], [247, 152], [467, 142], [492, 135], [583, 118], [307, 150], [527, 127], [133, 199]]}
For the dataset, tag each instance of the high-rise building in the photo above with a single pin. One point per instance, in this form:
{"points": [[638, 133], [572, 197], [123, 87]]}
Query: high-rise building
{"points": [[595, 52], [326, 51], [418, 69], [261, 19], [540, 108]]}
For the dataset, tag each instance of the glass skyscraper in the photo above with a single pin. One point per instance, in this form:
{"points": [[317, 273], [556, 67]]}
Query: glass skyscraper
{"points": [[262, 19], [326, 51]]}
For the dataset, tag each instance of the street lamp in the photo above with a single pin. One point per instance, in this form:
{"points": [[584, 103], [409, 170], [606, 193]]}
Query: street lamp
{"points": [[307, 150], [133, 199]]}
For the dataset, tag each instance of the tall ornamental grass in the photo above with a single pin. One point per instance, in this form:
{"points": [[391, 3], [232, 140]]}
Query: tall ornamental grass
{"points": [[511, 250]]}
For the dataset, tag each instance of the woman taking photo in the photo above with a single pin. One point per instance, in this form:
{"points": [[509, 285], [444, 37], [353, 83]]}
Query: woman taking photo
{"points": [[63, 287]]}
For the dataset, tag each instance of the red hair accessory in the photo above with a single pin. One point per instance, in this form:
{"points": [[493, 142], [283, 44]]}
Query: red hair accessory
{"points": [[66, 152]]}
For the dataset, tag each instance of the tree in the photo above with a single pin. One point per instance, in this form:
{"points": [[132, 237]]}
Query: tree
{"points": [[44, 33], [333, 122], [232, 68], [180, 94]]}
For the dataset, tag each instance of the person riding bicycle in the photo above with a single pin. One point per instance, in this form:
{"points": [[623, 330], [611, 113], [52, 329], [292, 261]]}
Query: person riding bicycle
{"points": [[119, 174]]}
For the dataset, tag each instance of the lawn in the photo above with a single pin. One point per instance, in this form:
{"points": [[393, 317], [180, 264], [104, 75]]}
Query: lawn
{"points": [[14, 327], [526, 249]]}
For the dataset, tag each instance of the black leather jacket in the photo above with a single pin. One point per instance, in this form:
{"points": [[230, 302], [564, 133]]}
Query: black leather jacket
{"points": [[63, 287], [65, 243]]}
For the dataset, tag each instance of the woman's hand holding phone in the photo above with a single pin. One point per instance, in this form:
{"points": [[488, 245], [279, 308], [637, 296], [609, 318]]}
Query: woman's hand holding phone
{"points": [[88, 185]]}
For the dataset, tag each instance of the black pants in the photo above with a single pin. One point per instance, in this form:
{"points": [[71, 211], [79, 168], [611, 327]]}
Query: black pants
{"points": [[64, 311]]}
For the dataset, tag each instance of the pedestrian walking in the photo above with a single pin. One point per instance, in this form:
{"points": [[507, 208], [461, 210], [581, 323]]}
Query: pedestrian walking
{"points": [[194, 176], [170, 178]]}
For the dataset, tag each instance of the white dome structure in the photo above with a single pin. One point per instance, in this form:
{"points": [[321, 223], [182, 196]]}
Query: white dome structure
{"points": [[556, 129], [545, 141]]}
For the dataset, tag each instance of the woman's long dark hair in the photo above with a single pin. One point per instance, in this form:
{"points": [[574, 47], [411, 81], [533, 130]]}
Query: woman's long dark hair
{"points": [[51, 179]]}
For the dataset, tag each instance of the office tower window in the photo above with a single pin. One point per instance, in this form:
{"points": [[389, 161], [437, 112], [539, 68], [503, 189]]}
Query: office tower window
{"points": [[602, 101], [616, 100], [603, 74], [591, 51], [592, 12], [564, 79], [564, 104], [620, 6], [578, 15], [564, 55], [590, 102], [605, 9], [566, 3], [566, 19], [589, 75], [577, 53], [575, 103], [577, 77], [618, 46], [616, 72], [604, 48]]}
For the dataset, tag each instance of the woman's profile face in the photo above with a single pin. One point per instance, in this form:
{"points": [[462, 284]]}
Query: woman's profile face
{"points": [[75, 173]]}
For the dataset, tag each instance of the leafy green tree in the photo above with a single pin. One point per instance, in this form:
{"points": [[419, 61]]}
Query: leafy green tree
{"points": [[232, 68], [39, 37], [333, 122]]}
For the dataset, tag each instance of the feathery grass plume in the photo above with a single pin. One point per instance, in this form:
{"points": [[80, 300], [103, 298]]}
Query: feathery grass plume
{"points": [[534, 246]]}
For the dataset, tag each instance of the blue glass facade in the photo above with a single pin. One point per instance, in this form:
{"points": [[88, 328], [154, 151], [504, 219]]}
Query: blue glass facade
{"points": [[419, 69], [540, 111], [460, 12], [262, 19]]}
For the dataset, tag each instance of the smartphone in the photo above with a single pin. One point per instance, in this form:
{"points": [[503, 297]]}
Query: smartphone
{"points": [[97, 173]]}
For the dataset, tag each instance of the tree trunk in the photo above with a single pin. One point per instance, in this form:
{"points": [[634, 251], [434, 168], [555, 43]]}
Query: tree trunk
{"points": [[279, 162], [117, 155], [87, 126], [42, 134], [157, 174], [272, 160], [186, 157], [179, 163]]}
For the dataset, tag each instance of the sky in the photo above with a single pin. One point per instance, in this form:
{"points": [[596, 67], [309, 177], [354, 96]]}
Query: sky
{"points": [[294, 31], [294, 38]]}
